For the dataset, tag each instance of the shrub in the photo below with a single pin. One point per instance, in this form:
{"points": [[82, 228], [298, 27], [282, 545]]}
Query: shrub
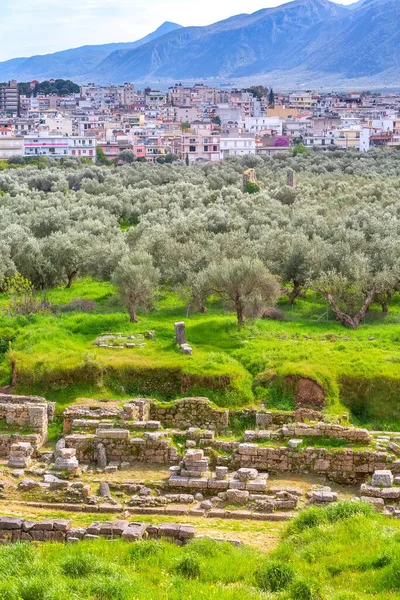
{"points": [[34, 588], [302, 589], [109, 588], [8, 590], [144, 549], [79, 566], [189, 566], [390, 579], [308, 518], [208, 548], [274, 314], [346, 510], [79, 305], [274, 576]]}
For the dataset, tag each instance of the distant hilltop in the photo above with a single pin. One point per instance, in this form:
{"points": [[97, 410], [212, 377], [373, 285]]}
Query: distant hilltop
{"points": [[316, 43]]}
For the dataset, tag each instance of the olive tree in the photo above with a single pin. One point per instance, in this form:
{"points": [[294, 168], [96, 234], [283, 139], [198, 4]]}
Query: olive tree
{"points": [[136, 280], [244, 282]]}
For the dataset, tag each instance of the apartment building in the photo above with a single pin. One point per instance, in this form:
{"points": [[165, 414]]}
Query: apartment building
{"points": [[58, 146], [9, 97], [10, 144], [237, 144], [200, 146]]}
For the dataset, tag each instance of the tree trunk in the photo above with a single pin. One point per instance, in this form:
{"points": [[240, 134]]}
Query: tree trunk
{"points": [[240, 312], [352, 322], [14, 373], [385, 307], [132, 313], [295, 293]]}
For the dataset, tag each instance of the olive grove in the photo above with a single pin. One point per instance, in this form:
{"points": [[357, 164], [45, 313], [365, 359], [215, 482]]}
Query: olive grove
{"points": [[337, 231]]}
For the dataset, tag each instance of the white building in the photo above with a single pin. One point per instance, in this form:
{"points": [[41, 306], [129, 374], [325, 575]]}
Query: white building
{"points": [[264, 124], [59, 146], [237, 144]]}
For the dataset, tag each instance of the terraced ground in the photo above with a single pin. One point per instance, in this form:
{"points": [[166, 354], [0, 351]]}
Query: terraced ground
{"points": [[54, 354]]}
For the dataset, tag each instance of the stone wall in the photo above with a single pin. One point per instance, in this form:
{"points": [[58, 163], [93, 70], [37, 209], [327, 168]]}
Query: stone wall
{"points": [[137, 409], [269, 419], [338, 432], [32, 416], [121, 447], [190, 412], [12, 399], [8, 439], [342, 466], [60, 530]]}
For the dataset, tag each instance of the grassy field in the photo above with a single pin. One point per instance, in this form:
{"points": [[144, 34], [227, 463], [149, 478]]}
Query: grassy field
{"points": [[54, 354], [344, 552]]}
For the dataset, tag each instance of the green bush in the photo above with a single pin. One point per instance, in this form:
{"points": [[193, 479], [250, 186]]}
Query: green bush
{"points": [[302, 589], [144, 549], [346, 510], [8, 591], [274, 576], [33, 588], [80, 566], [308, 518], [189, 566]]}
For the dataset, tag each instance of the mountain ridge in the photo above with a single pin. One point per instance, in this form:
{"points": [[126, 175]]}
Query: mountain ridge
{"points": [[301, 43], [58, 64]]}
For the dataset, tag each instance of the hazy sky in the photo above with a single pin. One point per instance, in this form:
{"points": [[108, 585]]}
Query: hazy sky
{"points": [[31, 27]]}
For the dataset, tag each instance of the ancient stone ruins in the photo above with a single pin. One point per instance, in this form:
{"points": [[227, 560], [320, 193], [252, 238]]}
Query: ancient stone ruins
{"points": [[184, 458]]}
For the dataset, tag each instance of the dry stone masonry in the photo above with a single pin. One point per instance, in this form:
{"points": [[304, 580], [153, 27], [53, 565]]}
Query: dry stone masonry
{"points": [[60, 530]]}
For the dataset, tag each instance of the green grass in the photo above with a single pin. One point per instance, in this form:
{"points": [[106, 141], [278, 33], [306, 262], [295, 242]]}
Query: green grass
{"points": [[346, 552], [55, 356], [343, 552], [102, 570]]}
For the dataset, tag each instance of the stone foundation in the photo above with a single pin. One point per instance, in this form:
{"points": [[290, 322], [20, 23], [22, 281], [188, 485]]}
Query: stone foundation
{"points": [[190, 412], [342, 466], [60, 530], [121, 447]]}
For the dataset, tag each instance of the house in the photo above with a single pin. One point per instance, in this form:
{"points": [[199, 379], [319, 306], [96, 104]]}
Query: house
{"points": [[237, 144], [10, 145], [59, 146], [201, 146]]}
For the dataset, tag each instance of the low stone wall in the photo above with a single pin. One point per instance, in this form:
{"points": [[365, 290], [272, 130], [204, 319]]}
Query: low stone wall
{"points": [[137, 410], [342, 466], [190, 412], [60, 530], [8, 439], [121, 447], [32, 416], [13, 399], [269, 419], [337, 432]]}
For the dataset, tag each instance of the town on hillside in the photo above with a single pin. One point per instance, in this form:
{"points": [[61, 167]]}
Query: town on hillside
{"points": [[59, 119]]}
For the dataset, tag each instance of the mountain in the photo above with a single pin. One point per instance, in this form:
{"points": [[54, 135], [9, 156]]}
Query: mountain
{"points": [[72, 64], [239, 46], [300, 44]]}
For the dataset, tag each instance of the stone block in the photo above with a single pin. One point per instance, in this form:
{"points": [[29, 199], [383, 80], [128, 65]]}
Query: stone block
{"points": [[134, 532], [382, 478], [221, 472], [377, 503], [7, 523], [246, 474], [237, 496], [258, 485], [294, 443], [113, 434]]}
